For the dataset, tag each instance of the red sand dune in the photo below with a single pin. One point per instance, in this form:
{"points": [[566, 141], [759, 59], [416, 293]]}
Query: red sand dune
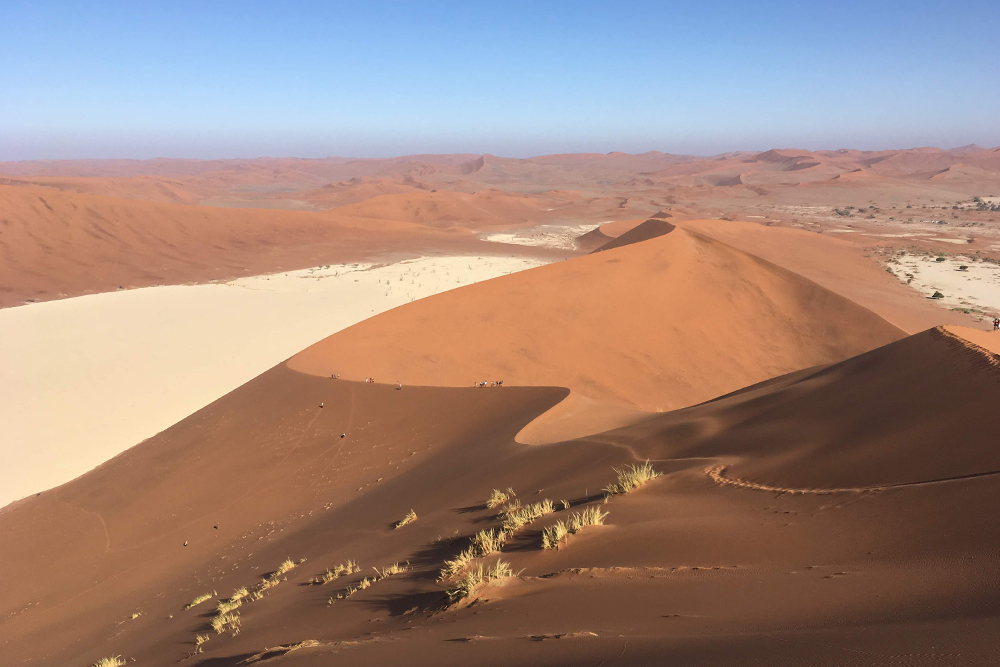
{"points": [[656, 325], [55, 244], [645, 231], [820, 518]]}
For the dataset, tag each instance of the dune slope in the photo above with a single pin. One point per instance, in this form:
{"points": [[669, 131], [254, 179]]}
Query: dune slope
{"points": [[657, 325], [691, 568]]}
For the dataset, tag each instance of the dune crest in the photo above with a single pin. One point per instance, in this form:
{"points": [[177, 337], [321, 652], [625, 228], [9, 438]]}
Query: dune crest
{"points": [[658, 325]]}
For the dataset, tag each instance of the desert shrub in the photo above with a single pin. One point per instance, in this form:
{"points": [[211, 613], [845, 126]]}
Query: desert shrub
{"points": [[456, 564], [554, 534], [201, 598], [226, 606], [498, 497], [475, 579], [631, 477], [517, 517], [285, 566], [395, 568], [342, 570], [230, 621], [937, 295], [113, 661], [410, 517], [486, 542]]}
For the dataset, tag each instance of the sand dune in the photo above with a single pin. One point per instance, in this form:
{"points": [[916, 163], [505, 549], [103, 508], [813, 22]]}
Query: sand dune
{"points": [[84, 379], [710, 572], [57, 244], [656, 325]]}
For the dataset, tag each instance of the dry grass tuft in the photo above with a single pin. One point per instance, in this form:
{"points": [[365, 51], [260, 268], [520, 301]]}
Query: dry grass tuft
{"points": [[486, 542], [410, 517], [230, 622], [201, 639], [474, 580], [342, 570], [285, 566], [556, 533], [515, 517], [113, 661], [226, 606], [201, 598], [631, 477], [456, 564], [395, 568], [499, 498]]}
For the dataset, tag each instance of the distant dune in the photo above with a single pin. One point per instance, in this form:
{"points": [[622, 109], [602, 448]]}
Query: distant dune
{"points": [[55, 244]]}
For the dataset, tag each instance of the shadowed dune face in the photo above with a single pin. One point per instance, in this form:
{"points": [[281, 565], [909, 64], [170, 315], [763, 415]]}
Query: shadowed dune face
{"points": [[642, 232], [657, 325], [766, 576]]}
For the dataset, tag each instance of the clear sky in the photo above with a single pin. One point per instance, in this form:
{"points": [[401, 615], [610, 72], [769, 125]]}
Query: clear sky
{"points": [[367, 78]]}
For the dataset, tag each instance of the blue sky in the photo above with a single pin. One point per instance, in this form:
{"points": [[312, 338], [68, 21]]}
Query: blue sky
{"points": [[241, 79]]}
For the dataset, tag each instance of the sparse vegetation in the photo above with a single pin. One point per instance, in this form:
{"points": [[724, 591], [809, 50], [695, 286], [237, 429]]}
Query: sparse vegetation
{"points": [[554, 534], [456, 564], [486, 542], [199, 640], [201, 598], [226, 606], [937, 295], [499, 497], [631, 477], [515, 516], [395, 568], [224, 622], [113, 661], [410, 517], [474, 580], [342, 570], [285, 566]]}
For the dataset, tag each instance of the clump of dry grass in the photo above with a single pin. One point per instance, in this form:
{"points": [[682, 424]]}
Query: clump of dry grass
{"points": [[482, 544], [285, 566], [395, 568], [498, 497], [388, 571], [486, 542], [554, 534], [456, 564], [515, 517], [474, 580], [226, 606], [410, 517], [342, 570], [201, 598], [113, 661], [199, 640], [631, 477], [229, 621]]}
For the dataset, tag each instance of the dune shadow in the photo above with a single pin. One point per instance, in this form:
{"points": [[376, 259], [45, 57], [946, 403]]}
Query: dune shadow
{"points": [[471, 508], [410, 603]]}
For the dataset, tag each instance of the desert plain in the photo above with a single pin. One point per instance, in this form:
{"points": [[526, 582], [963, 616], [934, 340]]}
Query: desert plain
{"points": [[461, 409]]}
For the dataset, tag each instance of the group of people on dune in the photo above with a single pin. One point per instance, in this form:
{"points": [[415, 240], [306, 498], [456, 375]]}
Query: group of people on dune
{"points": [[487, 383], [996, 323]]}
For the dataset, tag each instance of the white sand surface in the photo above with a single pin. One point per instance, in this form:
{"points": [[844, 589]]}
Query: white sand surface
{"points": [[552, 236], [83, 379], [976, 288]]}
